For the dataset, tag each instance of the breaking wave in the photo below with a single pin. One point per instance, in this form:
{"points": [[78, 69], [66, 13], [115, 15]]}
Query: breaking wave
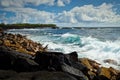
{"points": [[86, 46]]}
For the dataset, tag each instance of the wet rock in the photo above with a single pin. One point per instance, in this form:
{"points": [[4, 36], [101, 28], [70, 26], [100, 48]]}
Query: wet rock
{"points": [[110, 61], [109, 73], [93, 66]]}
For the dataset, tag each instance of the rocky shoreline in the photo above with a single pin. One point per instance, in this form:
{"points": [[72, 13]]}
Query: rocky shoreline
{"points": [[23, 59]]}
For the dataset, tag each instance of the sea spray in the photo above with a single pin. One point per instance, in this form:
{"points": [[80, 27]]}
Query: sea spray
{"points": [[96, 44]]}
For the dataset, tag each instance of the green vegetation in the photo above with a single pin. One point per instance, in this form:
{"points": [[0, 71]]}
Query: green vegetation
{"points": [[26, 25]]}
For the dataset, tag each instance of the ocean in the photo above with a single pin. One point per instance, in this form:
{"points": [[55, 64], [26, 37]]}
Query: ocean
{"points": [[97, 44]]}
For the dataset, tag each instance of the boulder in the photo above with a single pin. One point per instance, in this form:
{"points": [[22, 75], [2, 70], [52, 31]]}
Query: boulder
{"points": [[111, 61], [6, 58], [49, 60], [10, 59], [58, 61], [93, 66], [109, 73]]}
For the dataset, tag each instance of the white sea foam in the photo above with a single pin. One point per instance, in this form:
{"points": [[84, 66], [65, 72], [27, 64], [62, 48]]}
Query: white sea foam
{"points": [[93, 48], [99, 50], [89, 47]]}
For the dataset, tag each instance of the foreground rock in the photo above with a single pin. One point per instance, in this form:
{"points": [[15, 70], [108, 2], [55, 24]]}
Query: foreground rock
{"points": [[51, 65], [39, 75], [99, 73]]}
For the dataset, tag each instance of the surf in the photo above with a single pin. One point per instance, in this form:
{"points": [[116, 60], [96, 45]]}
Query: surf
{"points": [[67, 41]]}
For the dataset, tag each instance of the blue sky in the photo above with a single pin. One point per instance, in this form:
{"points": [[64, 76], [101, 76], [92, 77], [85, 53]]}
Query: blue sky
{"points": [[68, 13]]}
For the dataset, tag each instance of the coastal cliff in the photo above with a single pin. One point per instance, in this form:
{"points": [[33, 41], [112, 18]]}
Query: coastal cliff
{"points": [[24, 59]]}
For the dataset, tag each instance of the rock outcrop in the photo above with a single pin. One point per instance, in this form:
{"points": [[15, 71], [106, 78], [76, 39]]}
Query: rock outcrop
{"points": [[111, 61], [97, 72], [20, 43]]}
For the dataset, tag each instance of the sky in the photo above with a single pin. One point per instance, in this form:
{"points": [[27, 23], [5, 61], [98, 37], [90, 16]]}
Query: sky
{"points": [[63, 13]]}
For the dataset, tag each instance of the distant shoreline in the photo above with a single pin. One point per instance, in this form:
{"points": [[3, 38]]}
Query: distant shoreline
{"points": [[40, 26], [26, 25]]}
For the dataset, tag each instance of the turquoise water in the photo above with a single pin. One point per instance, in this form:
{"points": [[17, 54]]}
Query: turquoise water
{"points": [[95, 43]]}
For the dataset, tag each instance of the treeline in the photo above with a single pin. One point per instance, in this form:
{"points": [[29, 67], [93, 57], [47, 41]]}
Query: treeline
{"points": [[26, 25]]}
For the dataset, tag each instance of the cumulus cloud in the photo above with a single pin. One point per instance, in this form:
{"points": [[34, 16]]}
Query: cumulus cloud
{"points": [[26, 15], [62, 2], [103, 14], [11, 3], [90, 13], [66, 17], [22, 3]]}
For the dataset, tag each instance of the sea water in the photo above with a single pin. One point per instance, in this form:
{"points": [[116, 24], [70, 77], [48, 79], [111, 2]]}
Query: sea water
{"points": [[97, 44]]}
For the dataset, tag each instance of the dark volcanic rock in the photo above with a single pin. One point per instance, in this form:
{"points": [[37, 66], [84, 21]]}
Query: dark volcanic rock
{"points": [[39, 75], [10, 59], [6, 74], [6, 58], [58, 61]]}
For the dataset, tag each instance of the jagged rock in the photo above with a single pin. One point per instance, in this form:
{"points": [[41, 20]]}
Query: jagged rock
{"points": [[49, 60], [21, 44], [60, 62], [110, 61], [93, 66], [109, 73]]}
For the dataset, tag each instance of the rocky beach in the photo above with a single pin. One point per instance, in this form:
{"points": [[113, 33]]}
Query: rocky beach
{"points": [[24, 59]]}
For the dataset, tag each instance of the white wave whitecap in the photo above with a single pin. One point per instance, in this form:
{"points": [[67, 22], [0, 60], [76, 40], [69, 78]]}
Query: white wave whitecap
{"points": [[89, 47]]}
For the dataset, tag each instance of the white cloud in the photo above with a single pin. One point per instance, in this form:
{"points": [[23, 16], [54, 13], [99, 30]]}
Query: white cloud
{"points": [[22, 3], [26, 15], [62, 2], [39, 2], [102, 13], [12, 3], [66, 17]]}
